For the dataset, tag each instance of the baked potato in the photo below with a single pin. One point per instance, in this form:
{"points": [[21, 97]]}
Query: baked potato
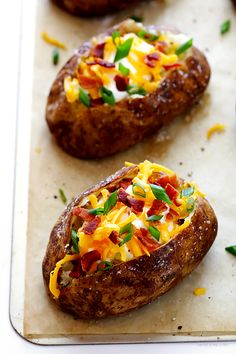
{"points": [[94, 7], [122, 86], [126, 241]]}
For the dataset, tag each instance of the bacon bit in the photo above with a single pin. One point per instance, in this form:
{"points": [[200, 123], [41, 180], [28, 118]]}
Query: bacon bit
{"points": [[142, 236], [136, 204], [104, 63], [77, 269], [155, 177], [52, 41], [121, 82], [157, 207], [151, 59], [83, 214], [88, 259], [114, 237], [122, 196], [162, 179], [125, 183], [89, 82], [96, 101], [171, 192], [172, 66], [172, 214], [161, 47], [90, 226], [98, 50]]}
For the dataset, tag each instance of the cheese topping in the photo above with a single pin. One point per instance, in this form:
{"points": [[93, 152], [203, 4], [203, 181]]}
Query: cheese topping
{"points": [[131, 64], [134, 217]]}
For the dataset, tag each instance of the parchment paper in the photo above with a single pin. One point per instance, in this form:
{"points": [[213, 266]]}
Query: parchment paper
{"points": [[182, 146]]}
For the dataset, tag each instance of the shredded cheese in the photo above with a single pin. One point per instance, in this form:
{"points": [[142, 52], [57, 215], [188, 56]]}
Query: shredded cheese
{"points": [[52, 41], [199, 291], [217, 128]]}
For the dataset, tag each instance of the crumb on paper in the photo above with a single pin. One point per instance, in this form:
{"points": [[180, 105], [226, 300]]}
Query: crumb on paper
{"points": [[180, 327], [52, 41], [216, 128], [173, 319], [199, 291], [38, 150]]}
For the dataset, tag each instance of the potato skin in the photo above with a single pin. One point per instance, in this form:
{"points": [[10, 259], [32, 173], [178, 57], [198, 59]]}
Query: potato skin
{"points": [[104, 130], [130, 285], [94, 7]]}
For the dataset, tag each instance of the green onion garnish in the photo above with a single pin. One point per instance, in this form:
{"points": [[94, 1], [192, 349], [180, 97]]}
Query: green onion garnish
{"points": [[185, 46], [123, 69], [75, 240], [147, 36], [160, 193], [110, 202], [62, 196], [107, 96], [115, 34], [96, 211], [190, 205], [135, 90], [231, 249], [154, 232], [225, 27], [84, 97], [55, 56], [154, 218], [136, 18], [127, 228], [107, 264], [137, 189], [187, 192], [123, 49]]}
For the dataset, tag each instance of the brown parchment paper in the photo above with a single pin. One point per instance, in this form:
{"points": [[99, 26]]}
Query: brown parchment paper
{"points": [[182, 146]]}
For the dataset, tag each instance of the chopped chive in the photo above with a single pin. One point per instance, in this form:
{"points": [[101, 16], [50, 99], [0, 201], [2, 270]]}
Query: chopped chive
{"points": [[187, 192], [75, 240], [62, 196], [107, 96], [135, 90], [183, 47], [123, 49], [55, 56], [96, 211], [231, 249], [190, 205], [160, 193], [127, 228], [147, 36], [123, 69], [107, 264], [110, 202], [136, 18], [84, 97], [154, 218], [225, 27], [136, 187], [115, 34], [154, 232]]}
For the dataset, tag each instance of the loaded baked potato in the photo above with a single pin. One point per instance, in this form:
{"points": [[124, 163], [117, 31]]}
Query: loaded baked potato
{"points": [[126, 241], [94, 7], [123, 86]]}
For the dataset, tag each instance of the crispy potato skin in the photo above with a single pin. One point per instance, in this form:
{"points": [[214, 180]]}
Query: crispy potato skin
{"points": [[132, 284], [104, 130], [94, 7]]}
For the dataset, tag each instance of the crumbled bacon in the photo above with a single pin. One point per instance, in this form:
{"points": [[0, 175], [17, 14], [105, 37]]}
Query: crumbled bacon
{"points": [[124, 183], [87, 82], [172, 66], [98, 50], [88, 259], [171, 192], [96, 101], [161, 47], [121, 82], [83, 214], [149, 243], [136, 204], [104, 63], [90, 226], [172, 215], [151, 59], [162, 179], [122, 196], [157, 207], [114, 237], [77, 269]]}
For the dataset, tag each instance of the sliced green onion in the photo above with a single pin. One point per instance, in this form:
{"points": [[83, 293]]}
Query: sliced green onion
{"points": [[96, 211], [135, 90], [107, 264], [136, 18], [160, 193], [115, 34], [55, 56], [123, 69], [187, 192], [123, 49], [127, 228], [231, 249], [185, 46], [84, 97], [136, 190], [110, 202], [75, 240], [62, 196], [147, 36], [225, 27], [154, 218], [107, 96], [190, 205], [154, 232]]}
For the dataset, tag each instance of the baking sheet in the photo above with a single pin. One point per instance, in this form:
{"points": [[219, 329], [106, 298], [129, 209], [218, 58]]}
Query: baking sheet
{"points": [[182, 146]]}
